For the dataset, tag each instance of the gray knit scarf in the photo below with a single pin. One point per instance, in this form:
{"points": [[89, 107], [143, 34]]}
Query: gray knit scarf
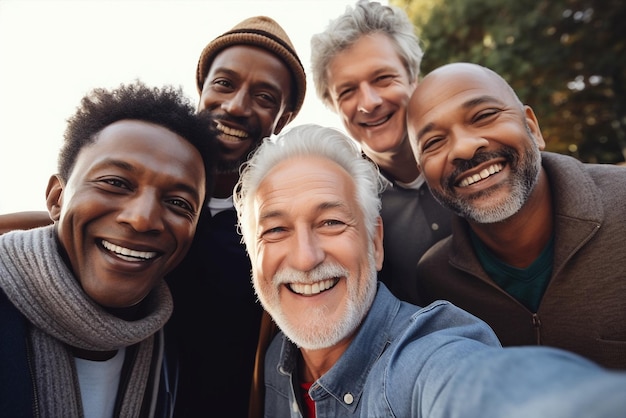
{"points": [[37, 281]]}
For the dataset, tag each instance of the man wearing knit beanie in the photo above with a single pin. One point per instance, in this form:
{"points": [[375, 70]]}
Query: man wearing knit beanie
{"points": [[235, 101], [263, 32], [252, 82]]}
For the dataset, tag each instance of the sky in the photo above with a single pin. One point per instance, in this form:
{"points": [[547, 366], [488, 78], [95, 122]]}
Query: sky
{"points": [[53, 52]]}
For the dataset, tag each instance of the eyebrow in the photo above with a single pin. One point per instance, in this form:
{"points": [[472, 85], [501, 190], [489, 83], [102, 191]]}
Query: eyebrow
{"points": [[480, 100], [116, 163], [321, 207], [465, 105], [429, 127], [371, 75]]}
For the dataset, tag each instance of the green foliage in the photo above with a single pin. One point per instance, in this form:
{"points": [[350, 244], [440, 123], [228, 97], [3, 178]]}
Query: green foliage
{"points": [[565, 58]]}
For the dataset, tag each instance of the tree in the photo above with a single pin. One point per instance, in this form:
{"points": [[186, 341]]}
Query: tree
{"points": [[565, 58]]}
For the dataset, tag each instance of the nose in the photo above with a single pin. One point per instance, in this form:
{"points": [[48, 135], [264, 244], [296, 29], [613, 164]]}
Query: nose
{"points": [[464, 144], [238, 104], [306, 253], [369, 99], [143, 213]]}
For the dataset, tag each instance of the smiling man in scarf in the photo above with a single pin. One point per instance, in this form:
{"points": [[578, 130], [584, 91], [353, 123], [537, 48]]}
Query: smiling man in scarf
{"points": [[83, 302]]}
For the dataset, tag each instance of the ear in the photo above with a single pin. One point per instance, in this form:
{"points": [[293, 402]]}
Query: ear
{"points": [[533, 125], [54, 197], [282, 122], [379, 253]]}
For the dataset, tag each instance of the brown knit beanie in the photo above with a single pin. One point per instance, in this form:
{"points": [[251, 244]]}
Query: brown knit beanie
{"points": [[263, 32]]}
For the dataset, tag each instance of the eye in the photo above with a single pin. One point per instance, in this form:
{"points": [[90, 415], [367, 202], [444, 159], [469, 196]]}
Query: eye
{"points": [[345, 93], [432, 143], [384, 78], [222, 84], [181, 203], [485, 115], [268, 98], [274, 234], [332, 226], [274, 230], [116, 183]]}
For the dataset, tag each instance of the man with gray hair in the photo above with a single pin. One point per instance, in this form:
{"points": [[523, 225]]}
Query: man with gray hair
{"points": [[308, 208], [365, 66]]}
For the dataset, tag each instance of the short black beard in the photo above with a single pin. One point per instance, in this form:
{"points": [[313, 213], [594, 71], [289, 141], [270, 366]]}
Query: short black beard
{"points": [[233, 167]]}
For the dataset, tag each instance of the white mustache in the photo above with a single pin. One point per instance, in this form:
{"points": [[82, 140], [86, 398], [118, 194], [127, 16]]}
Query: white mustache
{"points": [[324, 271]]}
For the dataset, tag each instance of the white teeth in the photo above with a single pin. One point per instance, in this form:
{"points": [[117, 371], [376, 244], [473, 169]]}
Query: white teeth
{"points": [[492, 169], [127, 253], [231, 132], [313, 289]]}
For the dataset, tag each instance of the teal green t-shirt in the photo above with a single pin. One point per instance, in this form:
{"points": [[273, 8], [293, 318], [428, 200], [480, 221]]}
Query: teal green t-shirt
{"points": [[527, 285]]}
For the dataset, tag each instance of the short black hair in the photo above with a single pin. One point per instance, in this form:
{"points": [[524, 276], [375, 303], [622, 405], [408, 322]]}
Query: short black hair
{"points": [[166, 106]]}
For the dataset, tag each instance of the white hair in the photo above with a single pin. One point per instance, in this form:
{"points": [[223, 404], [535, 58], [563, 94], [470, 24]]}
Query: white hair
{"points": [[307, 140]]}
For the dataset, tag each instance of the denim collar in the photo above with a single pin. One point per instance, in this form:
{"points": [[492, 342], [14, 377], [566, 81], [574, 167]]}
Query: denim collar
{"points": [[346, 379]]}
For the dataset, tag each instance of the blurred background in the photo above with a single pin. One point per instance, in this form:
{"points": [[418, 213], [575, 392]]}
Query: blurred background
{"points": [[564, 58], [52, 52]]}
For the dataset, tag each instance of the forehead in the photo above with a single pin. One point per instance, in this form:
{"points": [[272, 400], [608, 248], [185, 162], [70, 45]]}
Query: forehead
{"points": [[143, 143], [305, 181], [458, 83], [455, 88], [254, 62], [375, 52]]}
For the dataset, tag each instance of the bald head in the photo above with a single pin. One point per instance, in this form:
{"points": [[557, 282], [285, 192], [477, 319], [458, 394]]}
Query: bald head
{"points": [[477, 145], [466, 75], [455, 85]]}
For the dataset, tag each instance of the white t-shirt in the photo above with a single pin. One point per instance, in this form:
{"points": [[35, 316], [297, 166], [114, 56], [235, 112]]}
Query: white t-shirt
{"points": [[414, 185], [217, 205], [99, 381]]}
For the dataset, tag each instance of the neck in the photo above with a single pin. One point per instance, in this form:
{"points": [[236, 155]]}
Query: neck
{"points": [[224, 184], [399, 165], [314, 363], [519, 240], [93, 355], [128, 313]]}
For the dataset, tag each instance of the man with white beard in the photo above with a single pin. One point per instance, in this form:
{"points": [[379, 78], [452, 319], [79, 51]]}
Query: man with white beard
{"points": [[308, 206]]}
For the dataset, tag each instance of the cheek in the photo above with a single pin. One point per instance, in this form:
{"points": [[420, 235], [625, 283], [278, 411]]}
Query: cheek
{"points": [[266, 264], [428, 167], [184, 235], [208, 101], [346, 111], [265, 121], [434, 170], [402, 96], [80, 206]]}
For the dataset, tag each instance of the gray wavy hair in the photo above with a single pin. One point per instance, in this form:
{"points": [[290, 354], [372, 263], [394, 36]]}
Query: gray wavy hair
{"points": [[307, 140], [365, 18]]}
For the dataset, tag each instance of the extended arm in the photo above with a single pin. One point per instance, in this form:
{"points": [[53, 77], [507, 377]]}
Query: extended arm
{"points": [[23, 220]]}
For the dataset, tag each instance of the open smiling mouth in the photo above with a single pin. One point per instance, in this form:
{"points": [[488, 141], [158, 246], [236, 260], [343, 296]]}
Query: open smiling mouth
{"points": [[231, 134], [377, 122], [128, 254], [492, 169], [311, 289]]}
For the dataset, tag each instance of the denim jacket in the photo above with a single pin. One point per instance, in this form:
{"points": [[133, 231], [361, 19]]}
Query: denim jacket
{"points": [[439, 361]]}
